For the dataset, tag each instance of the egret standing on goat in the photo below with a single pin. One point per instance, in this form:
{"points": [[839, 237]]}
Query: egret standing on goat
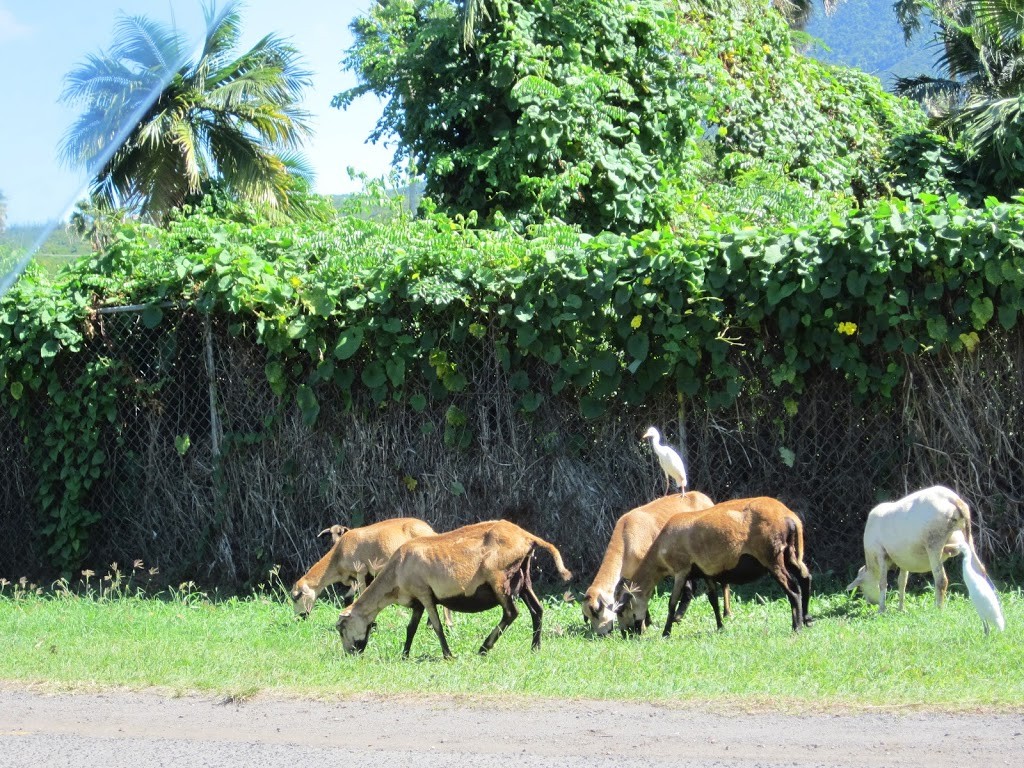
{"points": [[671, 462], [986, 603]]}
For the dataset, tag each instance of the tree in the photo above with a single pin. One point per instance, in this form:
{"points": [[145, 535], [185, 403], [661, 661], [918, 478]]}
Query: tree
{"points": [[3, 212], [565, 108], [157, 126], [979, 98]]}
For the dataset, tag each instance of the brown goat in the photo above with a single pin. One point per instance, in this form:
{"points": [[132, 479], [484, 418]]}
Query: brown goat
{"points": [[356, 557], [631, 539], [470, 569], [734, 542]]}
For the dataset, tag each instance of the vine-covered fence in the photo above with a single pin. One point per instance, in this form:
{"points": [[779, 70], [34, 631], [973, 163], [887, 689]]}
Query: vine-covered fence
{"points": [[212, 477]]}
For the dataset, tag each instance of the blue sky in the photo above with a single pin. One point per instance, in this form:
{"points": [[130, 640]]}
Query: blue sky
{"points": [[41, 40]]}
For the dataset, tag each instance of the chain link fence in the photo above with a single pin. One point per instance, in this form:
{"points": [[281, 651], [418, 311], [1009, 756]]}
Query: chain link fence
{"points": [[215, 479]]}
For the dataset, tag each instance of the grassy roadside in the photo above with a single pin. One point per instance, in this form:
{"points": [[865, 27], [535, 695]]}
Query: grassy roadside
{"points": [[240, 647]]}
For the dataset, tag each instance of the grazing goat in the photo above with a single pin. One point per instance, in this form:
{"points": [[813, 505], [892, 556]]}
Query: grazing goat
{"points": [[632, 537], [470, 569], [734, 542], [915, 534], [357, 555], [984, 597]]}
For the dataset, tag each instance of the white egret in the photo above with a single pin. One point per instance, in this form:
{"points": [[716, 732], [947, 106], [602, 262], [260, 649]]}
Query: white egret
{"points": [[671, 462], [984, 597]]}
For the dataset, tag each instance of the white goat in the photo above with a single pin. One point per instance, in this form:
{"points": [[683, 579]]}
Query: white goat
{"points": [[915, 534]]}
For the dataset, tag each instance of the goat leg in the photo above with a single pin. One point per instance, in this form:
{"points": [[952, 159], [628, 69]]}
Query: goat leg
{"points": [[680, 586], [713, 599], [435, 622], [533, 605], [508, 615], [414, 624]]}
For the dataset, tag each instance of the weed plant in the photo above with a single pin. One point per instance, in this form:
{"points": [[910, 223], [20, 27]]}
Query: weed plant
{"points": [[113, 632]]}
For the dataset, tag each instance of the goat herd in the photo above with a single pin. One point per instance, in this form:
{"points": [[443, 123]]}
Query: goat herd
{"points": [[684, 535]]}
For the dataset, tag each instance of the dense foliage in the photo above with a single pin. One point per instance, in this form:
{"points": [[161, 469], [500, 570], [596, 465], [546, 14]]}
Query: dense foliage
{"points": [[617, 115], [392, 309], [788, 138], [565, 109]]}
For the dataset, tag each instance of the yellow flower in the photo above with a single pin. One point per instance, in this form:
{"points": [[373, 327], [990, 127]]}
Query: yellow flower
{"points": [[295, 281], [635, 322], [846, 328]]}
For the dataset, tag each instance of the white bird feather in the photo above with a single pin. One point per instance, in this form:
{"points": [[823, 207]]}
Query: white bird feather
{"points": [[984, 597], [671, 462]]}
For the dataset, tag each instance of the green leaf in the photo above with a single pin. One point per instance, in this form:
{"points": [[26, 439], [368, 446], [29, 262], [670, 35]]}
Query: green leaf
{"points": [[152, 315], [275, 377], [319, 301], [182, 443], [856, 282], [49, 349], [638, 345], [17, 390], [308, 404], [418, 402], [531, 401], [773, 254], [982, 311], [298, 328], [373, 375], [395, 369], [938, 329], [348, 343], [1007, 316], [787, 456]]}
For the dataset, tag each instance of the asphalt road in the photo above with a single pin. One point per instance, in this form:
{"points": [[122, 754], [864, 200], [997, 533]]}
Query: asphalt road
{"points": [[138, 730]]}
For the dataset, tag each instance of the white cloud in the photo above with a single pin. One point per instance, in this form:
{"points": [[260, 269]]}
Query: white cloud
{"points": [[11, 28]]}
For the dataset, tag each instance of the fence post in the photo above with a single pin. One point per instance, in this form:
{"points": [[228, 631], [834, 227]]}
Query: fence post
{"points": [[221, 514], [211, 378], [683, 451]]}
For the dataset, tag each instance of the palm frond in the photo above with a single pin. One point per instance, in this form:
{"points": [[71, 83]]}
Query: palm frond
{"points": [[150, 45]]}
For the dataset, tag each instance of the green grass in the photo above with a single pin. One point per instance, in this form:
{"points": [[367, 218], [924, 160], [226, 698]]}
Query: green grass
{"points": [[239, 647]]}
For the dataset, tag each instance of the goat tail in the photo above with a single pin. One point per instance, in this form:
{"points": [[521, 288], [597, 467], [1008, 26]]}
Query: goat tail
{"points": [[795, 546], [565, 573], [965, 515]]}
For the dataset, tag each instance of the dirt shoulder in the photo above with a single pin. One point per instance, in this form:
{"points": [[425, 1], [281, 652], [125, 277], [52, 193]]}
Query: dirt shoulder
{"points": [[120, 728]]}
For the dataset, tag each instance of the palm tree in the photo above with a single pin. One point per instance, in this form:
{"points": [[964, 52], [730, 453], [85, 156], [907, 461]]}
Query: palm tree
{"points": [[156, 127], [980, 97]]}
